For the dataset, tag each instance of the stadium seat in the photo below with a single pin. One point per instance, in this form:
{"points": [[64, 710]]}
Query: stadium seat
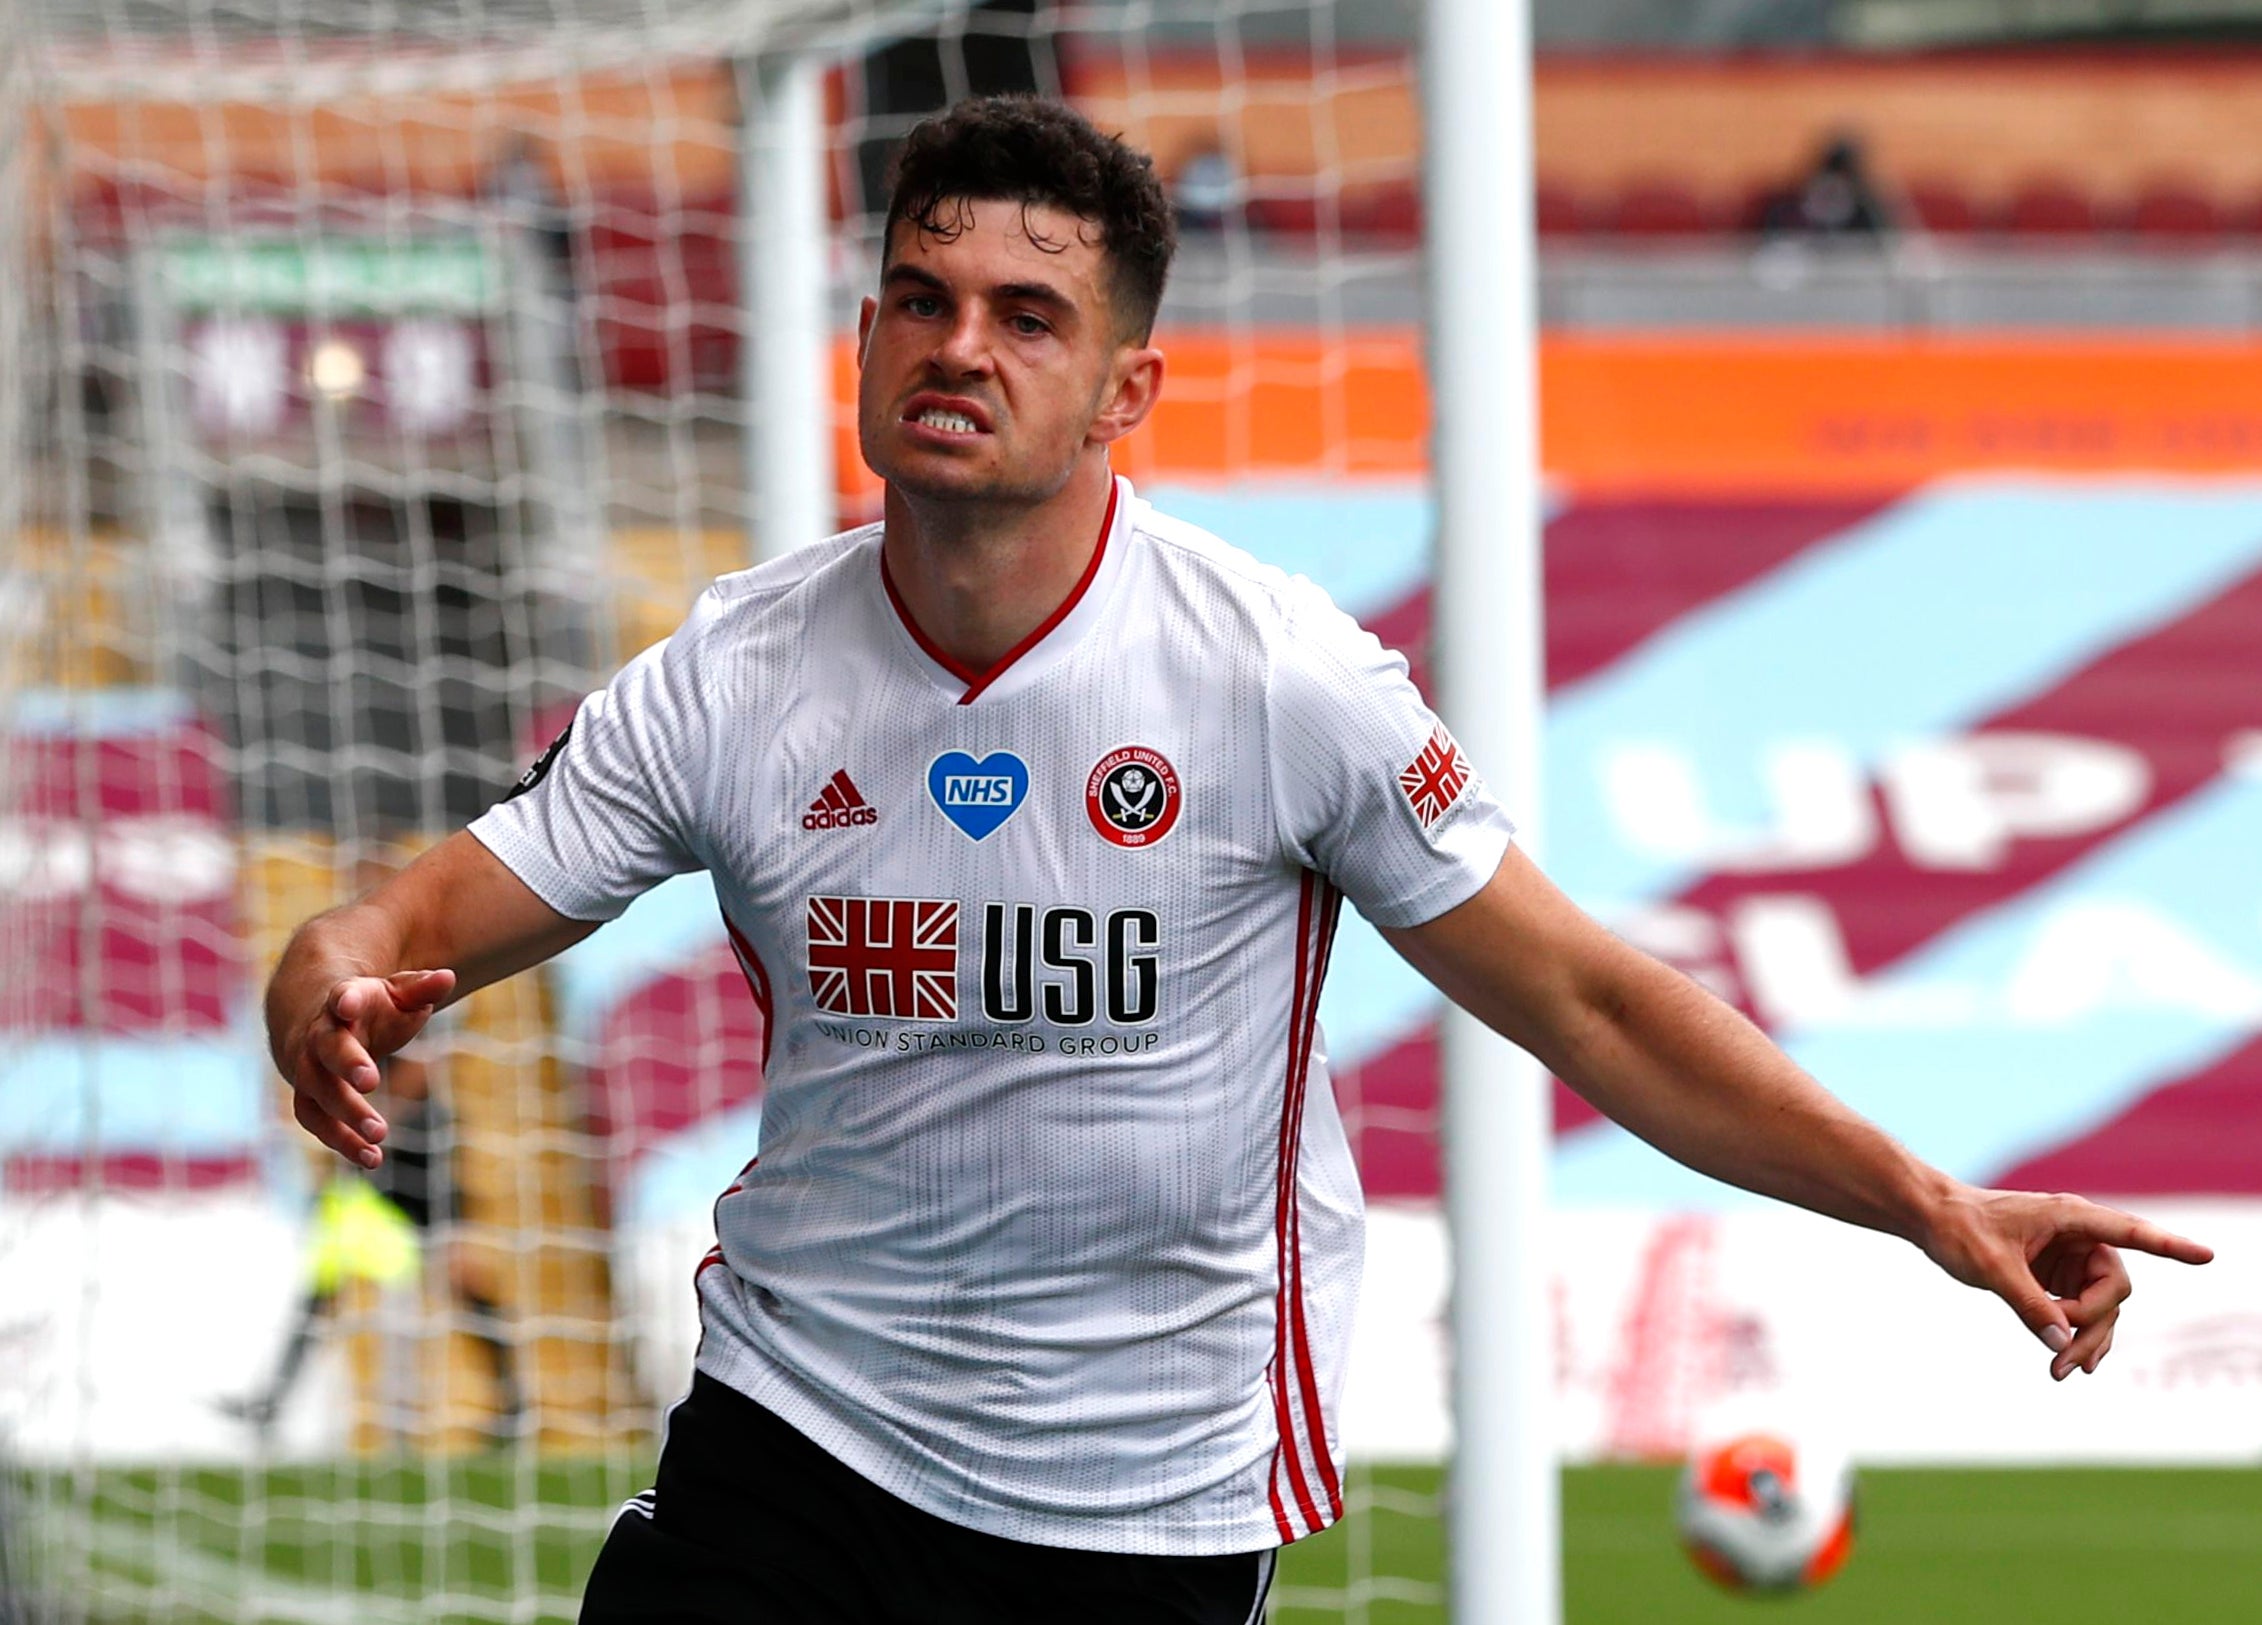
{"points": [[1751, 213], [1389, 213], [663, 290], [1940, 207], [2172, 215], [2049, 208], [1660, 210], [1559, 210], [1284, 214]]}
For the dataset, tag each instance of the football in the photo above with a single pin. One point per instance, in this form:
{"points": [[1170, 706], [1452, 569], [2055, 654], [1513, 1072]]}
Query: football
{"points": [[1759, 1512]]}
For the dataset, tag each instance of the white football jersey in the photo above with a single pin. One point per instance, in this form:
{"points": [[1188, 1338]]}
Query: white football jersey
{"points": [[1054, 1231]]}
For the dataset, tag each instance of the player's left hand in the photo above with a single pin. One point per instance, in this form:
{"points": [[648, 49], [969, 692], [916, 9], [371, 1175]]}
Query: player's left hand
{"points": [[2054, 1259]]}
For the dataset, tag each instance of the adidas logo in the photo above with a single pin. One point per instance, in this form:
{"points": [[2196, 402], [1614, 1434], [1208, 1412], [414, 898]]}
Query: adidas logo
{"points": [[839, 805]]}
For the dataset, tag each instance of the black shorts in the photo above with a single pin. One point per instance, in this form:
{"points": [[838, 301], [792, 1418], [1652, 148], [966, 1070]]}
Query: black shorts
{"points": [[753, 1524]]}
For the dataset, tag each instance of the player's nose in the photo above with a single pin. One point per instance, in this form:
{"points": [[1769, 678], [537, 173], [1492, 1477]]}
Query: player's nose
{"points": [[963, 348]]}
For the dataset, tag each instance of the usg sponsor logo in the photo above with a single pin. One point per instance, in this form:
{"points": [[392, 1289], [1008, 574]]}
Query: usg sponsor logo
{"points": [[1059, 965], [1071, 963]]}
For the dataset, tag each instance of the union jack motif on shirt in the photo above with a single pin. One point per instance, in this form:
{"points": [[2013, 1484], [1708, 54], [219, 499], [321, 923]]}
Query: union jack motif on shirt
{"points": [[895, 957], [1434, 780]]}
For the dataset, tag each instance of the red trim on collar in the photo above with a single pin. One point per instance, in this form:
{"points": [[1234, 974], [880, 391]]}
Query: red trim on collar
{"points": [[977, 681]]}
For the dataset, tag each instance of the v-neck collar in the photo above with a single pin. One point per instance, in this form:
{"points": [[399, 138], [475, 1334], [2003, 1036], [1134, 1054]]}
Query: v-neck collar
{"points": [[951, 673]]}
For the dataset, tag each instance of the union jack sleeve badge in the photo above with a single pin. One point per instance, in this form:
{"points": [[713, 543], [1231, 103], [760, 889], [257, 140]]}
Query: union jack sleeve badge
{"points": [[1436, 778]]}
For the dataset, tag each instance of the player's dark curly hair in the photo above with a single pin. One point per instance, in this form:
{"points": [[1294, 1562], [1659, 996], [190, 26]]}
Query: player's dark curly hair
{"points": [[1026, 150]]}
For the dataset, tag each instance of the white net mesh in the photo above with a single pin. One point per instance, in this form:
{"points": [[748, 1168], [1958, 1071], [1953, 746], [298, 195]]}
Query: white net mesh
{"points": [[397, 353], [26, 368]]}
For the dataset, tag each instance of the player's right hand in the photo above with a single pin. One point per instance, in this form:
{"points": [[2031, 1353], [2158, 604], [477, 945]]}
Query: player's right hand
{"points": [[332, 1064], [2056, 1260]]}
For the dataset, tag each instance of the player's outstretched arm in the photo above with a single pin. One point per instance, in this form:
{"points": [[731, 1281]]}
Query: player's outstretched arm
{"points": [[1656, 1052], [362, 980]]}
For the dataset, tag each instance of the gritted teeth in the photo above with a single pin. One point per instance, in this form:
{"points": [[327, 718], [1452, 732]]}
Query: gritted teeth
{"points": [[936, 417]]}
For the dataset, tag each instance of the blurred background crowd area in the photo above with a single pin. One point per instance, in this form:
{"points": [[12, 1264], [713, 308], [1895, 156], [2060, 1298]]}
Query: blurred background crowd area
{"points": [[1941, 134]]}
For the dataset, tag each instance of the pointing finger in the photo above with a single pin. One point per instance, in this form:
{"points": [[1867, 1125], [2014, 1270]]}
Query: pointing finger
{"points": [[2127, 1230]]}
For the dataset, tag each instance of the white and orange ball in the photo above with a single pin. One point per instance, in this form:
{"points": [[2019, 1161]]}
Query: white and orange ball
{"points": [[1760, 1512]]}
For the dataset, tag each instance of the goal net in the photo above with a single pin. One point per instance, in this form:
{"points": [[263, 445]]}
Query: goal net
{"points": [[374, 380]]}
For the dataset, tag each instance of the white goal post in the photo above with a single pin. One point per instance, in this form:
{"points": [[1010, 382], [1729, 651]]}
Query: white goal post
{"points": [[1503, 1517]]}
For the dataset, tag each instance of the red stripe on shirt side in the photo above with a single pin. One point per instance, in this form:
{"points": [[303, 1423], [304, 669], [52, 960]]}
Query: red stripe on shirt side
{"points": [[715, 1216], [757, 982], [714, 1254], [1301, 1043], [1292, 1126], [1283, 1210], [977, 681], [1315, 1415], [1280, 1518]]}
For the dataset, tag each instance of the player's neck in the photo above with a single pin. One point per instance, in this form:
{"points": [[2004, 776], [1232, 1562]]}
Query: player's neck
{"points": [[980, 580]]}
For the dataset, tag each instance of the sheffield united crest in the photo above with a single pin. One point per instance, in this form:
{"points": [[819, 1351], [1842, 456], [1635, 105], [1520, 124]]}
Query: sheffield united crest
{"points": [[1133, 796]]}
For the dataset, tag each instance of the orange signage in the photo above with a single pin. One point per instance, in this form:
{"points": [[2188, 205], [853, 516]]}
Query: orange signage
{"points": [[1863, 413], [1713, 413]]}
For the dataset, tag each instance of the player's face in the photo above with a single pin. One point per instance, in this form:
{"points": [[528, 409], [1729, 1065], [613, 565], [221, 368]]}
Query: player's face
{"points": [[993, 357]]}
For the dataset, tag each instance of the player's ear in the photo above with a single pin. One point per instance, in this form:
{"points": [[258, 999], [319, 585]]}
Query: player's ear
{"points": [[864, 314], [1136, 380]]}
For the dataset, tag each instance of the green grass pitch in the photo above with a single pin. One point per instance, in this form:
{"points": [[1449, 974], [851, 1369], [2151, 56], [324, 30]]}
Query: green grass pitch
{"points": [[2165, 1547], [494, 1540]]}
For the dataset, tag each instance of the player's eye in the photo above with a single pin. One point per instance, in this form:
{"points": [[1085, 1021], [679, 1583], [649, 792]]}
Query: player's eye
{"points": [[1028, 326], [922, 304]]}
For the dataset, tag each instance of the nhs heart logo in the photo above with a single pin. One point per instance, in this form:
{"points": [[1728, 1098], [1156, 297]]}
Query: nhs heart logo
{"points": [[978, 796]]}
